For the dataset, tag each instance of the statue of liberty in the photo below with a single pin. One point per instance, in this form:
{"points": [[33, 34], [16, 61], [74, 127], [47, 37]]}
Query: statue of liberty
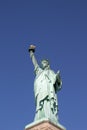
{"points": [[46, 85]]}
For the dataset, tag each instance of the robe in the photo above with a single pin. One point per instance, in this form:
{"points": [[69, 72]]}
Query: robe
{"points": [[46, 85]]}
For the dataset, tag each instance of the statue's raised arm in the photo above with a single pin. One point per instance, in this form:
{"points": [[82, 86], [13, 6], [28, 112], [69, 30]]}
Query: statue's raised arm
{"points": [[32, 56]]}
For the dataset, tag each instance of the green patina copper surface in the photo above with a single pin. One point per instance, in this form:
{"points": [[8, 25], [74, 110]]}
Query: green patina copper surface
{"points": [[46, 85]]}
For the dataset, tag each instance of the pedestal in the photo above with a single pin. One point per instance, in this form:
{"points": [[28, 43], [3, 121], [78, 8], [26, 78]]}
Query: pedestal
{"points": [[44, 125]]}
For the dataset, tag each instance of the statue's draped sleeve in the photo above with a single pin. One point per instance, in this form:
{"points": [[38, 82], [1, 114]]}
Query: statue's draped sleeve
{"points": [[34, 61]]}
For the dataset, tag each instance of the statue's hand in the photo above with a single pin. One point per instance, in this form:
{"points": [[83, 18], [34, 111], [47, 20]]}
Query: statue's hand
{"points": [[32, 48]]}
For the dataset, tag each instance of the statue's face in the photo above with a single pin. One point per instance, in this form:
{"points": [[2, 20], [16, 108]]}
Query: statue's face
{"points": [[44, 64]]}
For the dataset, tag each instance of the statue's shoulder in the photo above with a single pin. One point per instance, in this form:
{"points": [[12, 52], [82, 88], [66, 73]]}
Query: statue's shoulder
{"points": [[51, 71], [38, 70]]}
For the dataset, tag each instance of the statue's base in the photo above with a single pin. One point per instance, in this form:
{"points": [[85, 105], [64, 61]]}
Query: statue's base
{"points": [[44, 125]]}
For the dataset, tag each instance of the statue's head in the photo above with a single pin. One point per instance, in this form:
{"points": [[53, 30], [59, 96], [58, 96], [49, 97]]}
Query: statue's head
{"points": [[45, 64]]}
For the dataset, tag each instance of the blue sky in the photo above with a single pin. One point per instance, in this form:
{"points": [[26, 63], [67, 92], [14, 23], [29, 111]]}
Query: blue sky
{"points": [[58, 28]]}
